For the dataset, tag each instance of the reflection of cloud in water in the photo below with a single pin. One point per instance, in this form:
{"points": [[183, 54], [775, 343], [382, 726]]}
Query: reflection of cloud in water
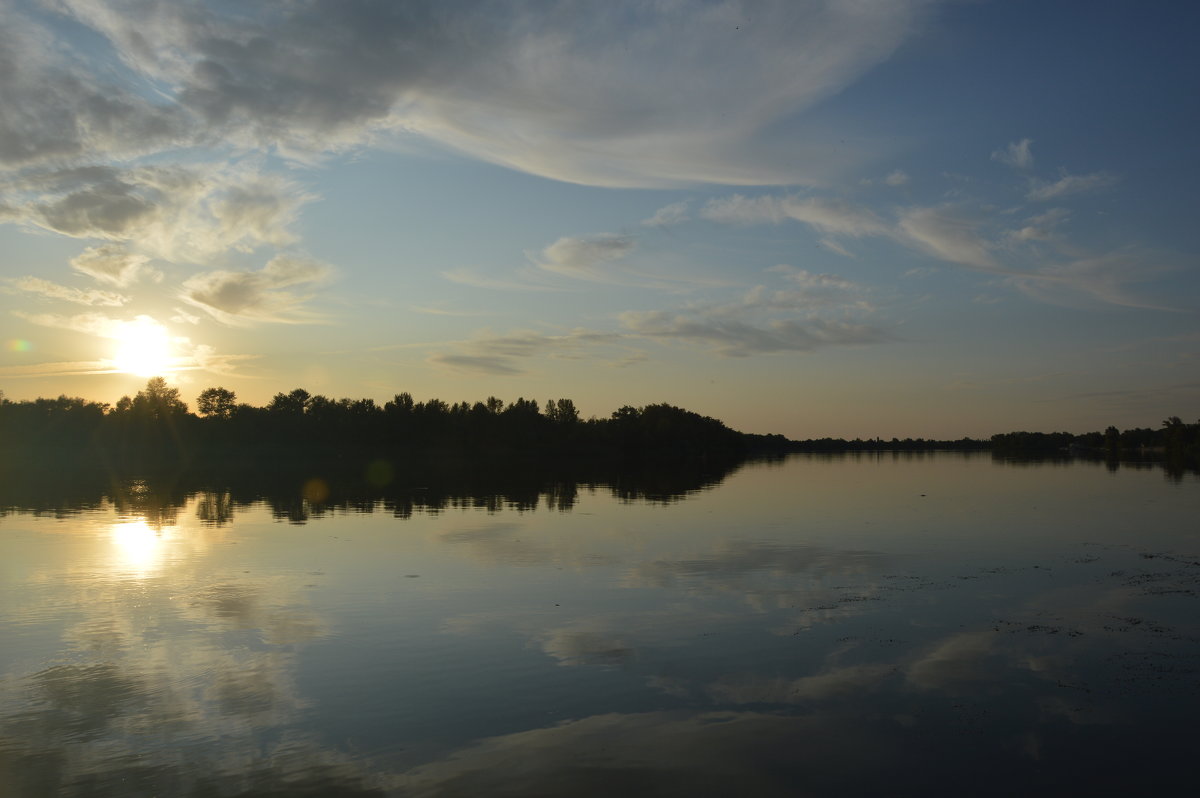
{"points": [[771, 576], [954, 662], [668, 753], [498, 543], [733, 562], [157, 713], [575, 646], [511, 543], [181, 682], [834, 683], [602, 639]]}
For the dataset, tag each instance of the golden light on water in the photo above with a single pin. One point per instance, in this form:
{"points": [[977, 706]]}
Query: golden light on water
{"points": [[139, 547], [144, 348]]}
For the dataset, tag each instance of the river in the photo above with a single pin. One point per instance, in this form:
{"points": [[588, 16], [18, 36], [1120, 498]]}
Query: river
{"points": [[942, 624]]}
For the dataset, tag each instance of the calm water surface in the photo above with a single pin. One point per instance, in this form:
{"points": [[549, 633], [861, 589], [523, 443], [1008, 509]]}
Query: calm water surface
{"points": [[942, 625]]}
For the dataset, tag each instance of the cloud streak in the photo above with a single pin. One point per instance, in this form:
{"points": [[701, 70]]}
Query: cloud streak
{"points": [[182, 214], [515, 86], [1070, 184], [585, 258], [829, 216], [241, 298], [113, 264], [1017, 154], [50, 290]]}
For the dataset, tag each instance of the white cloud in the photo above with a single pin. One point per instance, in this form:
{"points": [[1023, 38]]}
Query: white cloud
{"points": [[810, 311], [57, 109], [475, 280], [488, 353], [833, 246], [183, 317], [1070, 184], [584, 257], [695, 95], [734, 337], [59, 369], [95, 324], [113, 264], [949, 233], [833, 683], [478, 364], [896, 178], [189, 214], [1039, 227], [243, 297], [1103, 278], [1017, 154], [831, 217], [51, 290], [675, 213]]}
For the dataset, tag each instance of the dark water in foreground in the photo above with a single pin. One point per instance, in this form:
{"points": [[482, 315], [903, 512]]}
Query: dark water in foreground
{"points": [[941, 625]]}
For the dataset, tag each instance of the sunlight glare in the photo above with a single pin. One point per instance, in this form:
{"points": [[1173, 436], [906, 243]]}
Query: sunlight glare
{"points": [[143, 348], [139, 548]]}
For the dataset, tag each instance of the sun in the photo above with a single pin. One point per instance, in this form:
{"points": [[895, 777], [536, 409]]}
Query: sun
{"points": [[144, 348]]}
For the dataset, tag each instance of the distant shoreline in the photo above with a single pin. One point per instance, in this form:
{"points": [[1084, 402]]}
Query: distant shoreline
{"points": [[156, 427]]}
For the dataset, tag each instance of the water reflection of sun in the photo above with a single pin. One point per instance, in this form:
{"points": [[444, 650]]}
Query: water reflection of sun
{"points": [[139, 547]]}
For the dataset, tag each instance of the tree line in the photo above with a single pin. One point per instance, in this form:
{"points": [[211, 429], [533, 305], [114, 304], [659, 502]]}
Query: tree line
{"points": [[157, 423], [1174, 439]]}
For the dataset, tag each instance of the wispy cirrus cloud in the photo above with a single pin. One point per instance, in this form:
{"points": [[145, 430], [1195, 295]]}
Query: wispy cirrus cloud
{"points": [[93, 297], [95, 324], [502, 85], [833, 246], [71, 368], [1067, 185], [829, 216], [523, 282], [950, 233], [266, 295], [585, 258], [113, 264], [668, 215], [478, 364], [735, 337], [1104, 278], [964, 234], [1016, 154], [1039, 227], [505, 354], [182, 214], [802, 312]]}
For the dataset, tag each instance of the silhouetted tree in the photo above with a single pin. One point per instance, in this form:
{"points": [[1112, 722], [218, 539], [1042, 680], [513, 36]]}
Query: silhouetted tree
{"points": [[290, 404], [158, 400], [561, 411], [216, 402]]}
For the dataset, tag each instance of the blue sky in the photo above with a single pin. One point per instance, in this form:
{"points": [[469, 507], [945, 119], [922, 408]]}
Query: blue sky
{"points": [[815, 218]]}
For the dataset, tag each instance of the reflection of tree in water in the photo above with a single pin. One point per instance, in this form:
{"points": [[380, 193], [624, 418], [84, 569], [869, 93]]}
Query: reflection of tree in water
{"points": [[298, 491], [214, 507]]}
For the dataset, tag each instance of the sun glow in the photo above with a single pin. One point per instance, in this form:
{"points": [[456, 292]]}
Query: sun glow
{"points": [[144, 348], [139, 548]]}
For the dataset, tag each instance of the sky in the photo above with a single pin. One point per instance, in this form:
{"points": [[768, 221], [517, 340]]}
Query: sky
{"points": [[810, 217]]}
